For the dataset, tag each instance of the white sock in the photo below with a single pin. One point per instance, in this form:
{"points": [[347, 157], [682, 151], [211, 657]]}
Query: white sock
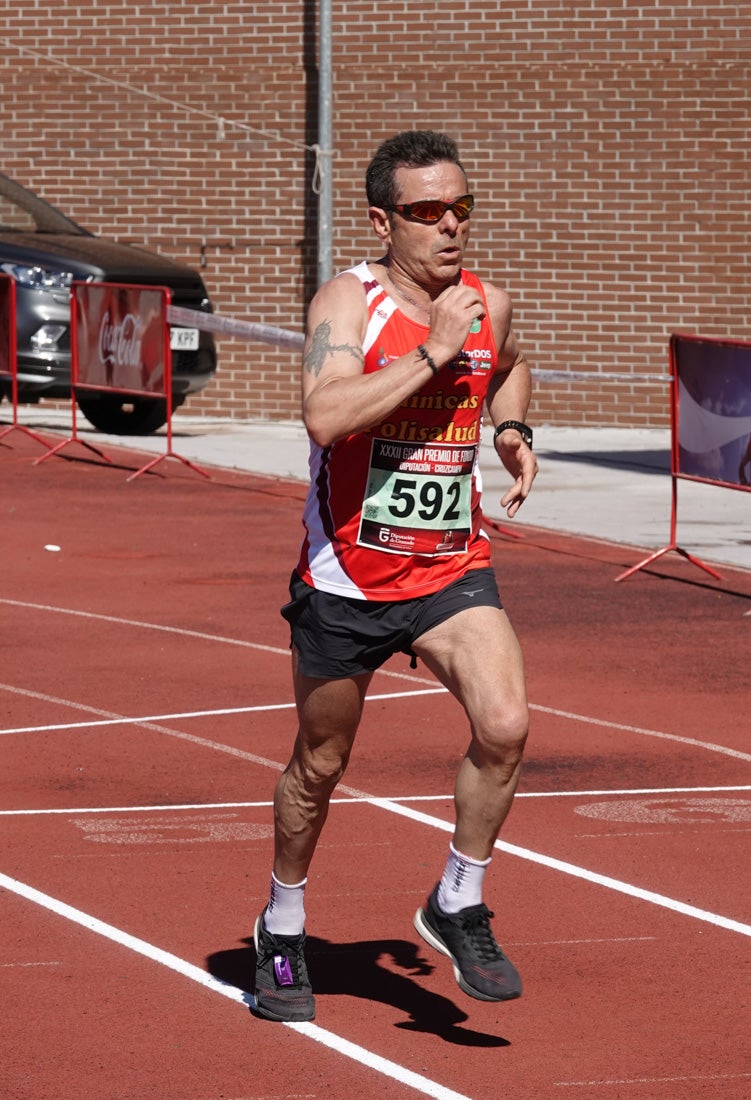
{"points": [[285, 913], [461, 884]]}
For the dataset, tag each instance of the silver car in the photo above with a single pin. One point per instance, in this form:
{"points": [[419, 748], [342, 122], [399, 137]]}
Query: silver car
{"points": [[45, 252]]}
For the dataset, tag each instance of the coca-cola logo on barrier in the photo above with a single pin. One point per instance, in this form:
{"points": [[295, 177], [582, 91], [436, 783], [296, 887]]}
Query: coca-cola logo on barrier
{"points": [[120, 339], [120, 342]]}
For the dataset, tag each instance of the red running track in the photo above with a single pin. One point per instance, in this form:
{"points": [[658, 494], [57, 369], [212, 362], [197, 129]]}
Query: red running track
{"points": [[146, 711]]}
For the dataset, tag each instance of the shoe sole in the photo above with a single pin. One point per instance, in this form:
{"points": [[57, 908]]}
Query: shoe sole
{"points": [[266, 1013], [431, 937]]}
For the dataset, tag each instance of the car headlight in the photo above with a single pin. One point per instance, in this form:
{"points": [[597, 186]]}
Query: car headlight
{"points": [[38, 278], [48, 337]]}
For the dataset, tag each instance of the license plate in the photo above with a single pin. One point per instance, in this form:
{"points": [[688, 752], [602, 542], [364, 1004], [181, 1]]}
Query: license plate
{"points": [[183, 339]]}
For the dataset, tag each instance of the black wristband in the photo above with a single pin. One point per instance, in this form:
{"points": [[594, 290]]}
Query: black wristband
{"points": [[423, 351], [522, 429]]}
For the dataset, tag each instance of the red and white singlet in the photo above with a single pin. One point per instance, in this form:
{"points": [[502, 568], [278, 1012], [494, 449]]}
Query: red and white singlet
{"points": [[394, 513]]}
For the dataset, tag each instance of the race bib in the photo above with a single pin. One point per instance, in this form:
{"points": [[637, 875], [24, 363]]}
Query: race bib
{"points": [[418, 498]]}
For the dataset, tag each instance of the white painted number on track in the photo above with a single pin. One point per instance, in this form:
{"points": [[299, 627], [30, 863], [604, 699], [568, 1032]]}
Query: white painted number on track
{"points": [[200, 829], [670, 811]]}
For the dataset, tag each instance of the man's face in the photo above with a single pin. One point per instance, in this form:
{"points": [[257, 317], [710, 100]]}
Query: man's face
{"points": [[431, 254]]}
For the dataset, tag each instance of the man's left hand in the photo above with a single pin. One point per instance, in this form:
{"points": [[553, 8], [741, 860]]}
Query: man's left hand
{"points": [[521, 463]]}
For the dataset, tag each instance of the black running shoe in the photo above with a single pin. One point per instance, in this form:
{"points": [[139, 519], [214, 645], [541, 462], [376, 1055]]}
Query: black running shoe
{"points": [[283, 991], [480, 967]]}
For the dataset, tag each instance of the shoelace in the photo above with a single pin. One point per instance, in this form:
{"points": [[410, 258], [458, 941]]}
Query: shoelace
{"points": [[476, 923], [271, 947]]}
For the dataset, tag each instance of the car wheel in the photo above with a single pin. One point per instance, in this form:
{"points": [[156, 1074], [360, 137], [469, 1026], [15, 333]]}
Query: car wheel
{"points": [[117, 414]]}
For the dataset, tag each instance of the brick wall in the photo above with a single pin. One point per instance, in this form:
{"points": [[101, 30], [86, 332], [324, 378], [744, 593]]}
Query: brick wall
{"points": [[606, 143]]}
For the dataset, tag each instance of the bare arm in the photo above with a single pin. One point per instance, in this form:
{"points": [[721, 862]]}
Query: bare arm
{"points": [[508, 399], [338, 398]]}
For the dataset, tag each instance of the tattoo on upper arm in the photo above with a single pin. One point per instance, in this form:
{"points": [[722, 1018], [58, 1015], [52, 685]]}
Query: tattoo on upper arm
{"points": [[321, 346]]}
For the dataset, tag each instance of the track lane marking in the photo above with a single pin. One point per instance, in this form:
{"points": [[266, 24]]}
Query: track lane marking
{"points": [[385, 672], [187, 633], [716, 1077], [552, 863], [145, 626], [575, 871], [119, 720], [267, 803], [329, 1039], [640, 729], [116, 719]]}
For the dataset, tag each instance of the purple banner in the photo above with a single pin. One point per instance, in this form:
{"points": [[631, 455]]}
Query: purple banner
{"points": [[712, 381]]}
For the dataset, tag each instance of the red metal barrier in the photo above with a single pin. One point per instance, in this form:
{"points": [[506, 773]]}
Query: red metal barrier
{"points": [[8, 357], [120, 342], [710, 424]]}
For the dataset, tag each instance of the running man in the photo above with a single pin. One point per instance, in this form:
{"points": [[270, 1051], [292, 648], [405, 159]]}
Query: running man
{"points": [[402, 356]]}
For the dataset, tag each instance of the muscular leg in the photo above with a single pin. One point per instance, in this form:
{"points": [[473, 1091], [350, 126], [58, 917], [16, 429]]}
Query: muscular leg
{"points": [[476, 655], [329, 713]]}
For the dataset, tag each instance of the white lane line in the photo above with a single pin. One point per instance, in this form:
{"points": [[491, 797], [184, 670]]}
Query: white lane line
{"points": [[646, 732], [179, 734], [186, 633], [716, 1077], [398, 675], [579, 872], [329, 1039], [147, 626], [113, 719], [573, 943], [266, 803], [395, 807], [550, 862], [374, 1061], [179, 966], [178, 716], [633, 791]]}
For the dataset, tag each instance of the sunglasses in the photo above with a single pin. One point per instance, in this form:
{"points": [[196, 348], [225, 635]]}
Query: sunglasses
{"points": [[430, 211]]}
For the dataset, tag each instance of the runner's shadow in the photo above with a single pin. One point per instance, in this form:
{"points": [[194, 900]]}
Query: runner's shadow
{"points": [[356, 970]]}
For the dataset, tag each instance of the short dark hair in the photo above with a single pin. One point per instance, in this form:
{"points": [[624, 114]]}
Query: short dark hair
{"points": [[410, 149]]}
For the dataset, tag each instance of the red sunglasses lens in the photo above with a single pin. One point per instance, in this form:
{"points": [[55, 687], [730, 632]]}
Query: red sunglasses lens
{"points": [[432, 210], [427, 210], [463, 207]]}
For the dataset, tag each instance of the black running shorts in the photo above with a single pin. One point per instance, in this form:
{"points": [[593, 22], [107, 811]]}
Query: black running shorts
{"points": [[337, 636]]}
